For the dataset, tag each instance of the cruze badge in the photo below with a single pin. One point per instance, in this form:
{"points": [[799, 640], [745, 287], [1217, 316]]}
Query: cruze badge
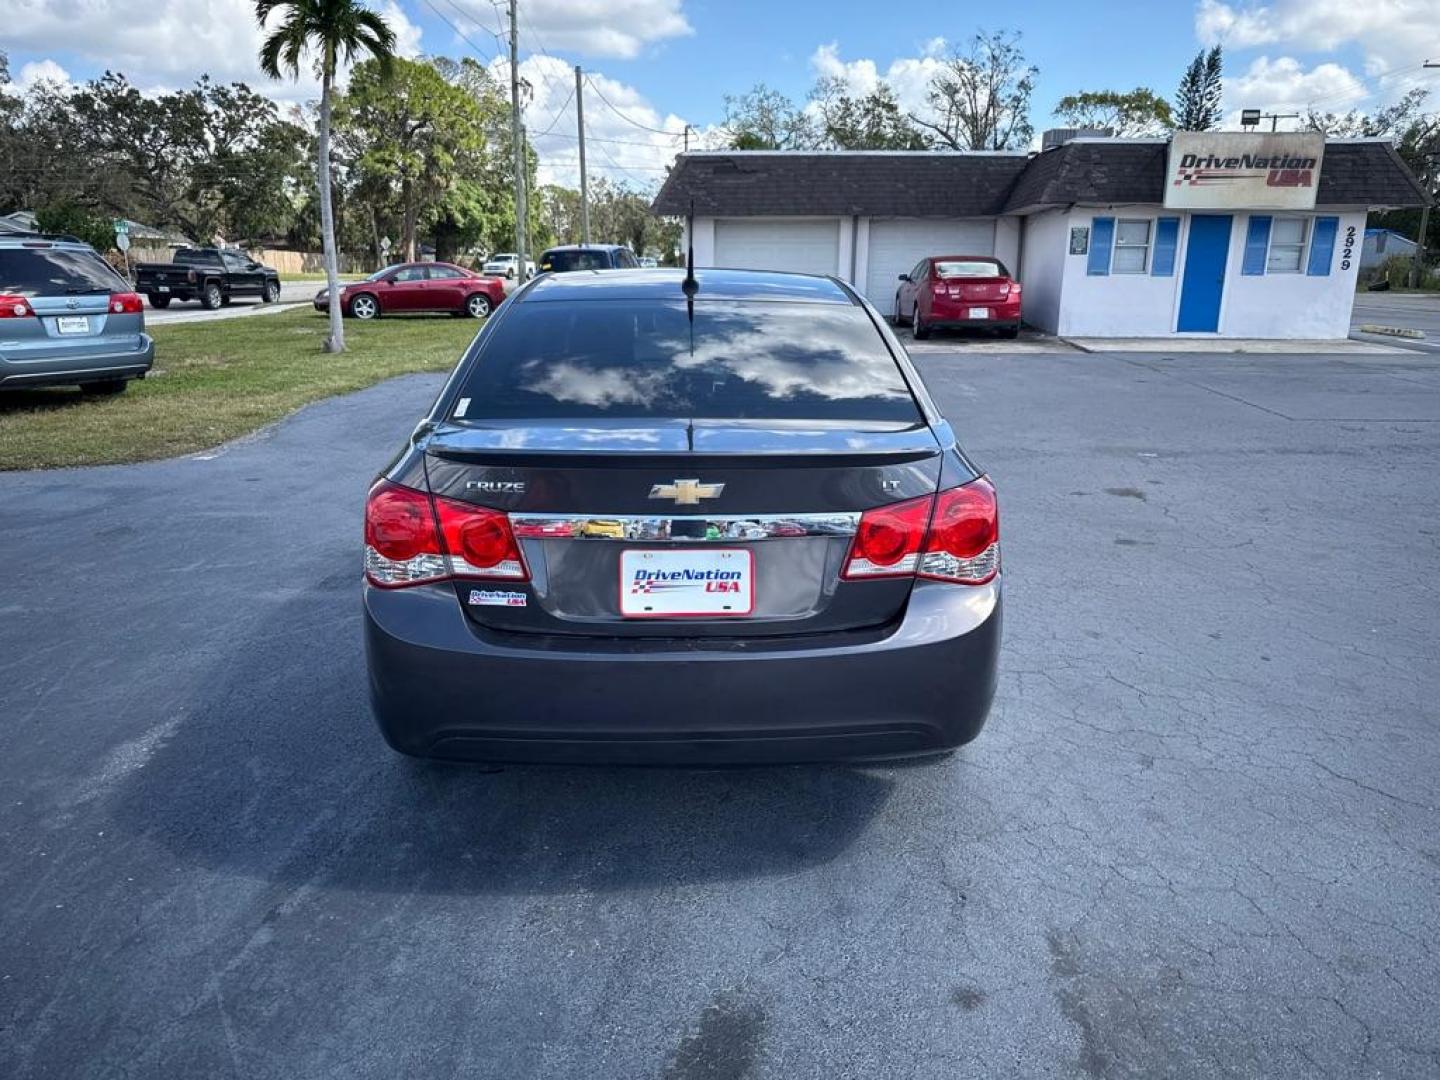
{"points": [[686, 492], [497, 487]]}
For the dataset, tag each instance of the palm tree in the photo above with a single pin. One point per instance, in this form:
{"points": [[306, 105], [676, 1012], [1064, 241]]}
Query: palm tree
{"points": [[334, 30]]}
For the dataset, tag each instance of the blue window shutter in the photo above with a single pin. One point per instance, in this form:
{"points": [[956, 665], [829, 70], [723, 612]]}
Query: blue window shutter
{"points": [[1167, 236], [1102, 235], [1322, 246], [1257, 245]]}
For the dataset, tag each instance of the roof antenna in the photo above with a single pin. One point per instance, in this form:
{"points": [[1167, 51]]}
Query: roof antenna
{"points": [[690, 286]]}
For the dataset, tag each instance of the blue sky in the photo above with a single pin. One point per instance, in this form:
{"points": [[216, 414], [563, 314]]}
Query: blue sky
{"points": [[665, 63]]}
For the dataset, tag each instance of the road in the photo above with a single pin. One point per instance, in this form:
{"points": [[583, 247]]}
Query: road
{"points": [[1413, 311], [1197, 838]]}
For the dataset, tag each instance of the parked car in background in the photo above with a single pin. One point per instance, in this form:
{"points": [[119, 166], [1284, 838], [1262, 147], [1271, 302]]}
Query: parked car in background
{"points": [[214, 276], [649, 262], [418, 286], [567, 257], [66, 318], [505, 264], [959, 292], [598, 547]]}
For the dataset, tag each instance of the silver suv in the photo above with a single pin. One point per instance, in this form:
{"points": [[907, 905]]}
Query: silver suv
{"points": [[66, 318]]}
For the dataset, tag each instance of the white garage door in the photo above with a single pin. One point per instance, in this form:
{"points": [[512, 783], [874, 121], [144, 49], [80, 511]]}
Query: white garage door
{"points": [[805, 247], [897, 244]]}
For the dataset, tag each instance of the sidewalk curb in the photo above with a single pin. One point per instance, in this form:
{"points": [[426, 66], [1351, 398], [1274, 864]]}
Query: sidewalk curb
{"points": [[1390, 331]]}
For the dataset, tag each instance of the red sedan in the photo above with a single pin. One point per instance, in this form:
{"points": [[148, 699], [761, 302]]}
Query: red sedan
{"points": [[418, 286], [962, 291]]}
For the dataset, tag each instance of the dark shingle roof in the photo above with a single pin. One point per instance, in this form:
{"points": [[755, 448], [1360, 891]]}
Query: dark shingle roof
{"points": [[920, 184], [1104, 172], [1354, 173]]}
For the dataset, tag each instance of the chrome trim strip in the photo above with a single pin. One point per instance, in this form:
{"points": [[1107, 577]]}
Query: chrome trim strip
{"points": [[693, 528]]}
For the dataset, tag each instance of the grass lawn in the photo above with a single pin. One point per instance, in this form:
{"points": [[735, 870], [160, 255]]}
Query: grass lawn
{"points": [[213, 381]]}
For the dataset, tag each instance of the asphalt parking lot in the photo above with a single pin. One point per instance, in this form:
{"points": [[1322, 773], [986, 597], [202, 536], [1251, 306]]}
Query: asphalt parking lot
{"points": [[1200, 836]]}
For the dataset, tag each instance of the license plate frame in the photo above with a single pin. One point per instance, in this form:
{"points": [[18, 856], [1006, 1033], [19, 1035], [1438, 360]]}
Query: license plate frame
{"points": [[72, 324], [979, 313], [162, 288], [683, 599]]}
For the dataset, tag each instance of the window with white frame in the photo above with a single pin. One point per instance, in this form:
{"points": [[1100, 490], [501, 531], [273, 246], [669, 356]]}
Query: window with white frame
{"points": [[1287, 245], [1132, 247]]}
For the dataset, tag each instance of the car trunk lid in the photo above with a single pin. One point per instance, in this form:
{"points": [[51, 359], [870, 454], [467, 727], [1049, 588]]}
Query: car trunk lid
{"points": [[592, 502]]}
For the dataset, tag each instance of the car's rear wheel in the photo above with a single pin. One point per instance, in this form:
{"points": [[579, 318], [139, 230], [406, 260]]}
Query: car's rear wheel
{"points": [[364, 306], [896, 319], [272, 292], [105, 389], [212, 298], [477, 305], [917, 325], [158, 301]]}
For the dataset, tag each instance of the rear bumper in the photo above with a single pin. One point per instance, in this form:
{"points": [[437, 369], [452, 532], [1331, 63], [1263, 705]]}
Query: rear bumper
{"points": [[957, 316], [62, 370], [442, 687]]}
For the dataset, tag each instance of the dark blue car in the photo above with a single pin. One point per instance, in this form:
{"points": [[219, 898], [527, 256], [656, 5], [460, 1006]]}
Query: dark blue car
{"points": [[710, 525]]}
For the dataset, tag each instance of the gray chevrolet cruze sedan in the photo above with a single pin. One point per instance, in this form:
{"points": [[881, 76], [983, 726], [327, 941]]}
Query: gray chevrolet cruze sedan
{"points": [[713, 521], [66, 318]]}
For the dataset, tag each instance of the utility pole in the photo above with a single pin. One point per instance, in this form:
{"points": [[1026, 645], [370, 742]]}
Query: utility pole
{"points": [[584, 183], [1432, 161], [518, 142]]}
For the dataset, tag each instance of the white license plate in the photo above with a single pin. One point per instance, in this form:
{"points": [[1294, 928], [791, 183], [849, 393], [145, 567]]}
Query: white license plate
{"points": [[73, 324], [163, 288], [979, 313], [658, 583]]}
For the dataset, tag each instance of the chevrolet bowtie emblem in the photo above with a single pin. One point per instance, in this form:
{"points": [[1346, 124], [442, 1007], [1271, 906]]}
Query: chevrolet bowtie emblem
{"points": [[686, 492]]}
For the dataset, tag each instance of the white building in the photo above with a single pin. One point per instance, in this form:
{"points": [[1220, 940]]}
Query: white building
{"points": [[1109, 237]]}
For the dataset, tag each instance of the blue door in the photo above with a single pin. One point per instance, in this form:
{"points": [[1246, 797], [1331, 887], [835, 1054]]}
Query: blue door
{"points": [[1204, 283]]}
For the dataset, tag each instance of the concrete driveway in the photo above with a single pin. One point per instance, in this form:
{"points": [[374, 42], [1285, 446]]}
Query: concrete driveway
{"points": [[1198, 837], [1410, 311]]}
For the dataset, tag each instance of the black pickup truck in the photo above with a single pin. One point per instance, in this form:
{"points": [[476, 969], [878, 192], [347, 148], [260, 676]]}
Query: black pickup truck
{"points": [[213, 276]]}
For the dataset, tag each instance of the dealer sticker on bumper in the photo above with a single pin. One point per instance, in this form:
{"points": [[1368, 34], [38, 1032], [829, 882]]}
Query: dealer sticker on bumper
{"points": [[712, 582], [497, 598]]}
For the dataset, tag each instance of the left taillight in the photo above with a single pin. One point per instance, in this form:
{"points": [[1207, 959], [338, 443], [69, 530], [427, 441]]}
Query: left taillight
{"points": [[15, 307], [125, 303], [410, 542]]}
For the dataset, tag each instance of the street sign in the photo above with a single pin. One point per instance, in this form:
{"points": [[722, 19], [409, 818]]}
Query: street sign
{"points": [[122, 241], [122, 227]]}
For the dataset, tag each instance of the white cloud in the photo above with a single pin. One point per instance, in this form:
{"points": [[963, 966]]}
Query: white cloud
{"points": [[619, 28], [168, 42], [908, 76], [38, 71], [1392, 37], [630, 143], [1284, 85]]}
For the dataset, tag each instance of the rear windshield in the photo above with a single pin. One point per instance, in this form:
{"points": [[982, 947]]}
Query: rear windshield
{"points": [[948, 268], [560, 262], [194, 255], [644, 358], [56, 272]]}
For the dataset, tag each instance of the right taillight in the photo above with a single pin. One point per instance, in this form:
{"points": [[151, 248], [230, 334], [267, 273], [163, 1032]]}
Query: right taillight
{"points": [[963, 543], [953, 536], [407, 542]]}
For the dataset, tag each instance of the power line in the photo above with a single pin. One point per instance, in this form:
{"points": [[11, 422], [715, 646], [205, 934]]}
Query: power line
{"points": [[459, 33], [634, 123], [555, 120]]}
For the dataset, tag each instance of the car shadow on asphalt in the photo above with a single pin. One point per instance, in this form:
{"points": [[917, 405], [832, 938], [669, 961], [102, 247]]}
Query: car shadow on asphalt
{"points": [[278, 772]]}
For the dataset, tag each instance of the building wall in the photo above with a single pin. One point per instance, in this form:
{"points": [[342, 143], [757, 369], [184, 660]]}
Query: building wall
{"points": [[1042, 268], [1144, 305]]}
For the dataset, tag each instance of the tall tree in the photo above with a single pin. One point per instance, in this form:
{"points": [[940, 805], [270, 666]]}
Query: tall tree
{"points": [[765, 119], [980, 97], [335, 32], [872, 122], [1132, 113], [1197, 103], [1390, 121]]}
